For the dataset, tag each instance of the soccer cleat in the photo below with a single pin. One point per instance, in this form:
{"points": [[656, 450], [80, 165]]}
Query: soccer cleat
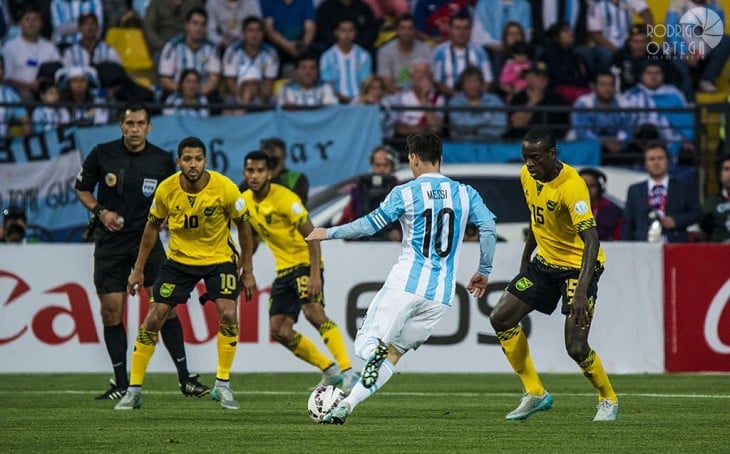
{"points": [[130, 401], [349, 379], [607, 411], [337, 415], [113, 393], [372, 367], [193, 388], [330, 376], [531, 404], [224, 395]]}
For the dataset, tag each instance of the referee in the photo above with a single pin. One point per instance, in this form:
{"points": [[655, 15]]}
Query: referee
{"points": [[127, 171]]}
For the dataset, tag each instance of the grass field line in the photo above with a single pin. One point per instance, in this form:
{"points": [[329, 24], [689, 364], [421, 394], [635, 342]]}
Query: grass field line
{"points": [[391, 393]]}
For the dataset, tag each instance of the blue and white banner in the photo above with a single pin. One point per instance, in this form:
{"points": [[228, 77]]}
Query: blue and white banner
{"points": [[327, 145], [45, 188], [576, 153]]}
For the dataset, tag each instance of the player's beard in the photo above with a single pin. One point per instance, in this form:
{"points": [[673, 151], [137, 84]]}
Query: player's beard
{"points": [[195, 179]]}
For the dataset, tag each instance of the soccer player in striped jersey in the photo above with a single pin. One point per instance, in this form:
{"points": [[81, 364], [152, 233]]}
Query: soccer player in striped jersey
{"points": [[567, 266], [433, 211]]}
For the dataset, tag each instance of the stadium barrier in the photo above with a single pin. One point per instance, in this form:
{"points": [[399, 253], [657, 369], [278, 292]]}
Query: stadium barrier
{"points": [[49, 319]]}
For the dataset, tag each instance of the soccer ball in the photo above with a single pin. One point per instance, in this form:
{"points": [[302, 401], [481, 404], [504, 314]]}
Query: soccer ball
{"points": [[322, 400]]}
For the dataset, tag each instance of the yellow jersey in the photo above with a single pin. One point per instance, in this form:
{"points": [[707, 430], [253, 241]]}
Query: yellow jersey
{"points": [[559, 210], [199, 223], [276, 220]]}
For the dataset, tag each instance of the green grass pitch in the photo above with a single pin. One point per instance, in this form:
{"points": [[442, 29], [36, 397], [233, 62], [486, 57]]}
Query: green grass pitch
{"points": [[440, 413]]}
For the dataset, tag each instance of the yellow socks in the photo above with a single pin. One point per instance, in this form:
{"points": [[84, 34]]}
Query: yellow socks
{"points": [[515, 347], [227, 342], [305, 349], [332, 337], [144, 347], [592, 368]]}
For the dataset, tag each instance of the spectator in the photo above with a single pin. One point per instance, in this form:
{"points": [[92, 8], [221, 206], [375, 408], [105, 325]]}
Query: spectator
{"points": [[588, 121], [15, 223], [606, 213], [226, 17], [89, 49], [609, 23], [390, 8], [306, 89], [26, 53], [692, 53], [370, 190], [187, 100], [672, 201], [65, 16], [715, 222], [396, 56], [290, 27], [249, 90], [251, 52], [629, 61], [537, 95], [193, 50], [476, 124], [513, 33], [331, 12], [77, 85], [345, 65], [568, 70], [422, 93], [513, 78], [165, 19], [373, 92], [547, 12], [491, 18], [675, 128], [452, 57], [296, 181], [48, 116], [11, 114], [432, 18]]}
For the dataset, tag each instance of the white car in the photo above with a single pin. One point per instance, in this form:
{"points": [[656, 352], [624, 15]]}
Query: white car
{"points": [[498, 184]]}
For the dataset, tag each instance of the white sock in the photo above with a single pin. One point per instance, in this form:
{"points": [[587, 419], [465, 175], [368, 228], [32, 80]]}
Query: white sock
{"points": [[222, 383], [360, 393]]}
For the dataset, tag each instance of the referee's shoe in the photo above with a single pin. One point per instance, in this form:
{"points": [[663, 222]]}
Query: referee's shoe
{"points": [[193, 388]]}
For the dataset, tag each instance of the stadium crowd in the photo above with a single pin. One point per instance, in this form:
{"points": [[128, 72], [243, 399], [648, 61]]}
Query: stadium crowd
{"points": [[469, 70]]}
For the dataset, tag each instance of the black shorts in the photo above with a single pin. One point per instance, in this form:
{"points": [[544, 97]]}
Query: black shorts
{"points": [[175, 281], [541, 286], [289, 291], [111, 272]]}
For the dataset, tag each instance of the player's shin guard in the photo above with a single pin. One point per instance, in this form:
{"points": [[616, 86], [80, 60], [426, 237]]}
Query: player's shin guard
{"points": [[592, 368], [515, 347], [227, 343], [144, 347], [172, 337], [332, 337], [305, 349]]}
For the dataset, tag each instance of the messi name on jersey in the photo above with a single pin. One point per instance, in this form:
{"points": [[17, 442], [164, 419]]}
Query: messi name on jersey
{"points": [[437, 194]]}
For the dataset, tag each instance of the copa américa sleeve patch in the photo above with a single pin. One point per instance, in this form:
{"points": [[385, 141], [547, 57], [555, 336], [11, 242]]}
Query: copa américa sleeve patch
{"points": [[240, 204], [580, 207], [297, 208]]}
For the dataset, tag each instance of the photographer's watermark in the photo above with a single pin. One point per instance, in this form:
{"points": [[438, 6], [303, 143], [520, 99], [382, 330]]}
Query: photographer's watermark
{"points": [[699, 30]]}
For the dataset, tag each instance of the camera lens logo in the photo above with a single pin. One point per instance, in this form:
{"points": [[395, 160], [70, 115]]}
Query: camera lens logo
{"points": [[701, 28]]}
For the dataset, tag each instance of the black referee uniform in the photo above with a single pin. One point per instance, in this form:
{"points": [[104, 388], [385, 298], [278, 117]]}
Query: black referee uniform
{"points": [[126, 184]]}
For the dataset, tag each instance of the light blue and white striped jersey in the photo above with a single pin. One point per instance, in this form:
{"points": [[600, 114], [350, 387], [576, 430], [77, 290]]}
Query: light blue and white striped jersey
{"points": [[176, 56], [174, 105], [7, 113], [550, 9], [321, 94], [65, 15], [613, 20], [346, 72], [266, 60], [433, 211], [77, 55], [47, 118], [447, 62]]}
